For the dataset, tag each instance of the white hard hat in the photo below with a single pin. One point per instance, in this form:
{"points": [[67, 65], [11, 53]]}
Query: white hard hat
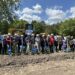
{"points": [[51, 34], [48, 35], [37, 35], [32, 34], [15, 34], [21, 35], [43, 35], [65, 38], [9, 33]]}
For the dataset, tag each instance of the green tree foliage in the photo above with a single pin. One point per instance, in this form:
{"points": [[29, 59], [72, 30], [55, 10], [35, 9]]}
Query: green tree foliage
{"points": [[38, 27], [4, 26], [6, 9], [7, 16], [19, 24], [67, 27], [52, 29]]}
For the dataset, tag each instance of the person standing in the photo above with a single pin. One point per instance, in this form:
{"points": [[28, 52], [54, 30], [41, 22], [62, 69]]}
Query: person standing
{"points": [[42, 44], [64, 45], [1, 43], [60, 43], [56, 42], [32, 41], [71, 43], [4, 44], [18, 43], [9, 43], [28, 43], [51, 43], [37, 42], [24, 43], [74, 43]]}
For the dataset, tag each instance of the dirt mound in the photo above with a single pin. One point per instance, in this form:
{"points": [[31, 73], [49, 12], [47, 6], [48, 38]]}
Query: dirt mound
{"points": [[23, 60], [50, 64]]}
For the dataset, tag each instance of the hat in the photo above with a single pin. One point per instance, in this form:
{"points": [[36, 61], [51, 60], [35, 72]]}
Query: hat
{"points": [[51, 34], [37, 35], [9, 33], [43, 35], [21, 35], [15, 34], [48, 35], [32, 34]]}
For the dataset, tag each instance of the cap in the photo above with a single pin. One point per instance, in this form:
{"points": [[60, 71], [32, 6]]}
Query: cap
{"points": [[9, 33]]}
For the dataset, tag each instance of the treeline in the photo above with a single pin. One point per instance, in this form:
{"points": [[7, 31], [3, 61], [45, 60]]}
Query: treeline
{"points": [[9, 22], [67, 27]]}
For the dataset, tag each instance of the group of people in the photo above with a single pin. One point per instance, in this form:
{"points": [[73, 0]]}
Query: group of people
{"points": [[35, 43]]}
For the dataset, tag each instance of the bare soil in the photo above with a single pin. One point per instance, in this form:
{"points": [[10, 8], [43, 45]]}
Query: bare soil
{"points": [[43, 64]]}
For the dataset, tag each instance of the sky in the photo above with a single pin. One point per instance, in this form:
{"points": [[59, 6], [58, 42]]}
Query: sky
{"points": [[50, 11]]}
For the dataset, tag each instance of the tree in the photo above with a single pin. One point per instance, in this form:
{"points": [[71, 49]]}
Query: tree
{"points": [[19, 24], [38, 27], [6, 9], [7, 16], [67, 27], [4, 26]]}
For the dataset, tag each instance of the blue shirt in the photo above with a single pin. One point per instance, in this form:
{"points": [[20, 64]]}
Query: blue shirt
{"points": [[1, 38]]}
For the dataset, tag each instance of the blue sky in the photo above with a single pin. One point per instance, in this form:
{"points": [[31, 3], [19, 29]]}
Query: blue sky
{"points": [[51, 11]]}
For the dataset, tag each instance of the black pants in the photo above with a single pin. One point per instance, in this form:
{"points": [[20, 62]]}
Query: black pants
{"points": [[42, 49], [51, 49], [60, 46], [5, 49], [56, 48], [0, 48], [24, 50], [56, 45], [18, 50], [72, 48]]}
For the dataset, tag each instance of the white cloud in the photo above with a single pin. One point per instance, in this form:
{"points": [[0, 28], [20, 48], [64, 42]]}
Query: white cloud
{"points": [[27, 11], [30, 14], [54, 15], [18, 12], [49, 21], [72, 11], [37, 8], [35, 17], [30, 18]]}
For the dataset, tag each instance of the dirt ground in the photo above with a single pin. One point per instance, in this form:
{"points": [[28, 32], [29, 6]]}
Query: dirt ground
{"points": [[45, 64]]}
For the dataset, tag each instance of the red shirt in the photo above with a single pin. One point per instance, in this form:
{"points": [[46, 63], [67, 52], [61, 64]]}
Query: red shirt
{"points": [[9, 40], [51, 40]]}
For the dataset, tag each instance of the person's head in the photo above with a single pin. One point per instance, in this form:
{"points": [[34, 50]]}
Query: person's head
{"points": [[52, 35], [43, 35], [37, 35], [21, 35], [4, 36], [32, 34], [15, 34], [65, 38], [48, 35], [71, 37], [9, 34]]}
